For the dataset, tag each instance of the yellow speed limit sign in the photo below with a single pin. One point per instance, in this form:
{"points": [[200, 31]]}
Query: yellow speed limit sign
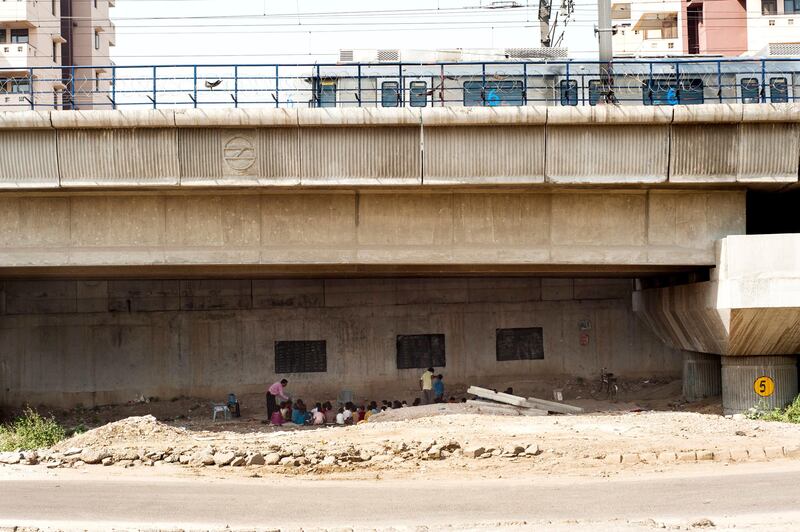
{"points": [[764, 386]]}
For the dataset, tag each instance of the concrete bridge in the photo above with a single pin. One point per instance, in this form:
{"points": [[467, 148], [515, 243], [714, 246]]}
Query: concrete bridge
{"points": [[190, 240]]}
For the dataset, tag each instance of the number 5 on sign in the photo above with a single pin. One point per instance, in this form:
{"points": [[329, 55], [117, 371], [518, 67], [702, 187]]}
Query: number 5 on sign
{"points": [[764, 386]]}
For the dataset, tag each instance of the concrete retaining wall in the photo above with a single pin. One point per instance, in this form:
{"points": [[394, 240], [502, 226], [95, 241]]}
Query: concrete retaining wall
{"points": [[95, 342], [447, 228], [709, 144]]}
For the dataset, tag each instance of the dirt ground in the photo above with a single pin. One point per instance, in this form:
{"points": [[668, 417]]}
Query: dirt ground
{"points": [[194, 413], [646, 427]]}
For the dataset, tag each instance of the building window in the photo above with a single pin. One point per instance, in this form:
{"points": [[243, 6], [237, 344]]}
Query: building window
{"points": [[20, 86], [2, 35], [493, 94], [750, 92], [55, 52], [519, 344], [769, 7], [19, 36], [420, 351], [418, 93], [569, 92], [326, 93], [669, 29], [301, 357], [96, 40], [778, 90], [390, 94], [791, 6]]}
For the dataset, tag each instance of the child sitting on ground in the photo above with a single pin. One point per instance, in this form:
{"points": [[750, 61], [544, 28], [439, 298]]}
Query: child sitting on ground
{"points": [[330, 413], [348, 413], [340, 416]]}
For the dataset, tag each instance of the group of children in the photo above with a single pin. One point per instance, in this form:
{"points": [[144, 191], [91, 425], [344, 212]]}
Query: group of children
{"points": [[326, 414]]}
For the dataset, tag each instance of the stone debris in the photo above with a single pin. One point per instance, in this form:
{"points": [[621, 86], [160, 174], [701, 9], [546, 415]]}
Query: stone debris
{"points": [[93, 456], [224, 458], [10, 458], [255, 460], [408, 444]]}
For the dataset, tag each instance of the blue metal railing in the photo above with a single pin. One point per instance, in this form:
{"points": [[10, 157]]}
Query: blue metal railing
{"points": [[500, 83]]}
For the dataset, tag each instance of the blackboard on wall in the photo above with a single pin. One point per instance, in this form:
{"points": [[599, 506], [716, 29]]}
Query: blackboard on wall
{"points": [[301, 356], [420, 351], [520, 344]]}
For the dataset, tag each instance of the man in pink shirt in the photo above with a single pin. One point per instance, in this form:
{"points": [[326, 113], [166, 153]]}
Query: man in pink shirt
{"points": [[276, 390]]}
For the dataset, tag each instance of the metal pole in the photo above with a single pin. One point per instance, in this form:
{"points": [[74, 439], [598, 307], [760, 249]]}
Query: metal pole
{"points": [[72, 88], [277, 87], [359, 84], [236, 86], [30, 89], [154, 87], [195, 86], [114, 87]]}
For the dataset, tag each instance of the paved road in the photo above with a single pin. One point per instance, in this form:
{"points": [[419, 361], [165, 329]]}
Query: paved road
{"points": [[739, 497]]}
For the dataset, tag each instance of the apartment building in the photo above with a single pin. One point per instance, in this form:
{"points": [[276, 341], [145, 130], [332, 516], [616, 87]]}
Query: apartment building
{"points": [[89, 35], [773, 27], [43, 44], [647, 29]]}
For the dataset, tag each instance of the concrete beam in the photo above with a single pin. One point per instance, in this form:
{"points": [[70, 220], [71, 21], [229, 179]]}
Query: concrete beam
{"points": [[524, 229], [751, 306], [604, 145]]}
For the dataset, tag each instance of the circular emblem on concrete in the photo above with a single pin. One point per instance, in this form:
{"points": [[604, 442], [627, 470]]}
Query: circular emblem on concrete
{"points": [[239, 154], [764, 386]]}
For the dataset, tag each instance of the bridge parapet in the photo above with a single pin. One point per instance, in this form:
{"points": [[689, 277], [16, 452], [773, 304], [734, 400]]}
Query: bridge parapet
{"points": [[603, 145]]}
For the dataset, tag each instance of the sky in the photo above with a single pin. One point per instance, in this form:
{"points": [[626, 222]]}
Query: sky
{"points": [[309, 31]]}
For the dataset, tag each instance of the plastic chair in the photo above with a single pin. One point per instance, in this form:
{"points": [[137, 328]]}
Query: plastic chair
{"points": [[346, 396], [217, 408]]}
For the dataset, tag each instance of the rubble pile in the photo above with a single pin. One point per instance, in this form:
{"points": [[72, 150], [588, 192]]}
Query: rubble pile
{"points": [[289, 455]]}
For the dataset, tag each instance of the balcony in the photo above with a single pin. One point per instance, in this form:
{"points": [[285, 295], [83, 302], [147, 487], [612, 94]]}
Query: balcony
{"points": [[18, 11], [13, 56]]}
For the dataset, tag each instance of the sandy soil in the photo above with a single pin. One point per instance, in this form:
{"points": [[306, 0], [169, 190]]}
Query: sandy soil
{"points": [[645, 428]]}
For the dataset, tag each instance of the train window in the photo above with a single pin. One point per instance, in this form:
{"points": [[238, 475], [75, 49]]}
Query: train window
{"points": [[750, 92], [569, 92], [778, 90], [493, 94], [326, 93], [418, 94], [669, 91], [595, 91], [390, 94]]}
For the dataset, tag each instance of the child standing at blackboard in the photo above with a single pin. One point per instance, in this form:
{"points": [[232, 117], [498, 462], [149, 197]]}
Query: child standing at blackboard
{"points": [[438, 389]]}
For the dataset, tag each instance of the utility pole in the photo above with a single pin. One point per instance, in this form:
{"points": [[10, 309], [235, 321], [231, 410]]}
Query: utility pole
{"points": [[604, 33], [545, 8]]}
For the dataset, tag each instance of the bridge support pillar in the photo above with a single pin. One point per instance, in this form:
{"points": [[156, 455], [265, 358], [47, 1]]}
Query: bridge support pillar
{"points": [[741, 382], [702, 375]]}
